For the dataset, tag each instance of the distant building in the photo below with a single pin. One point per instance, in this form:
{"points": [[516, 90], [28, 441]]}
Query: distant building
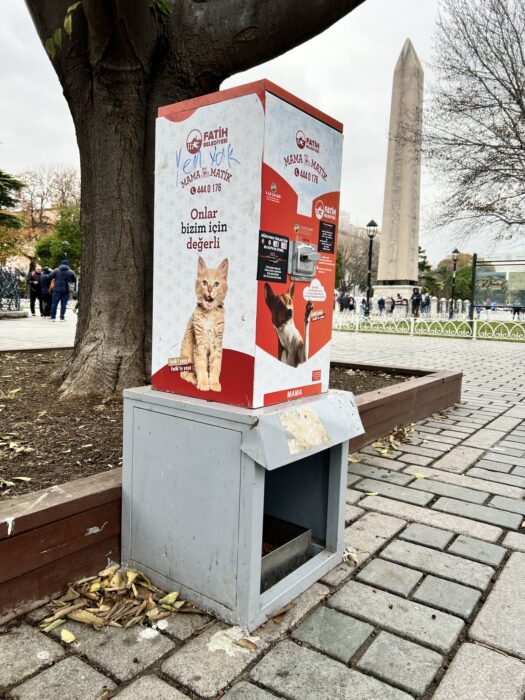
{"points": [[349, 232], [353, 245]]}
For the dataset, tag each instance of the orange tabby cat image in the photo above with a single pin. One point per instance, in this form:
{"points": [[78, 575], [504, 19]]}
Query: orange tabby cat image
{"points": [[202, 342]]}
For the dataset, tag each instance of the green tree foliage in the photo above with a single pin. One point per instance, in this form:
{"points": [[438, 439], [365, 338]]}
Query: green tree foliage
{"points": [[423, 265], [51, 249], [438, 282], [463, 284], [9, 189], [428, 280]]}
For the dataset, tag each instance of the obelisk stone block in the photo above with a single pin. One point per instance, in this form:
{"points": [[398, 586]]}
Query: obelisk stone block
{"points": [[398, 252]]}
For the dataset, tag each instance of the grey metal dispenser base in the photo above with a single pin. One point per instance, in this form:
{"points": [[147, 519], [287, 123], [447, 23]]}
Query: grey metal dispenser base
{"points": [[238, 509]]}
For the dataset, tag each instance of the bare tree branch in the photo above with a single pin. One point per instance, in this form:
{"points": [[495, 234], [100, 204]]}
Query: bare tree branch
{"points": [[475, 123], [248, 33]]}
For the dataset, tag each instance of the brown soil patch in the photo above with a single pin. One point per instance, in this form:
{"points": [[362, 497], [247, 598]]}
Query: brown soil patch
{"points": [[360, 381], [50, 440], [68, 439]]}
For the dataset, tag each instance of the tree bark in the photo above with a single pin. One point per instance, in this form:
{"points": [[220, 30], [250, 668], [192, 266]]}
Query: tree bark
{"points": [[122, 61]]}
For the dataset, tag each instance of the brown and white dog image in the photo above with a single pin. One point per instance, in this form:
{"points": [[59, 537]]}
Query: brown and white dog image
{"points": [[292, 350]]}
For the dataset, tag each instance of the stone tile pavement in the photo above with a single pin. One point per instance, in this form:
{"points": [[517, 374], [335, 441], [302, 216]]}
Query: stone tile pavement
{"points": [[431, 604], [36, 333]]}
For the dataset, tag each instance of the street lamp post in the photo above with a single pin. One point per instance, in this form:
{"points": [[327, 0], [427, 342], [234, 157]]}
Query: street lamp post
{"points": [[371, 233], [455, 256], [473, 286], [65, 246]]}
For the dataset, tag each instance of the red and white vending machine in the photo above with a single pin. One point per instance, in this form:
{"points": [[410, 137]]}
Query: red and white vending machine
{"points": [[246, 213], [247, 187]]}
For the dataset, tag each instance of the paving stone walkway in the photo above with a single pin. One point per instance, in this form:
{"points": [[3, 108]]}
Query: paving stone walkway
{"points": [[432, 604], [37, 333]]}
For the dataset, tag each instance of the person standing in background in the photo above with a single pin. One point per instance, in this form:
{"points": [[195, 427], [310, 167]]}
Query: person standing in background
{"points": [[33, 280], [400, 306], [46, 294], [63, 276], [416, 302]]}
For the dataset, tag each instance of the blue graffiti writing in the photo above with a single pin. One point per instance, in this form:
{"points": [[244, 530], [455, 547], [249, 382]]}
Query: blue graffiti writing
{"points": [[217, 156]]}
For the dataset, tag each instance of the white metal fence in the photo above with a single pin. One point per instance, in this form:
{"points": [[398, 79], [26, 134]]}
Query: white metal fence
{"points": [[440, 309], [491, 329]]}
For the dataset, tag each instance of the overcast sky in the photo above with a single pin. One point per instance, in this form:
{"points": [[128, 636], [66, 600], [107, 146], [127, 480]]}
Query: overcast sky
{"points": [[346, 72]]}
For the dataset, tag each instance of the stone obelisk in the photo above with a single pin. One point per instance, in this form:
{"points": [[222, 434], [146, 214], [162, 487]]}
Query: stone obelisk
{"points": [[398, 249]]}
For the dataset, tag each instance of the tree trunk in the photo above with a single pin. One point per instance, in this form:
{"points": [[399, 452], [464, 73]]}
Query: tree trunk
{"points": [[113, 341], [122, 61], [110, 342]]}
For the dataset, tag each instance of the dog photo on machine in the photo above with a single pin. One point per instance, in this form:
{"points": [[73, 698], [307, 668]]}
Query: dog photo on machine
{"points": [[292, 349]]}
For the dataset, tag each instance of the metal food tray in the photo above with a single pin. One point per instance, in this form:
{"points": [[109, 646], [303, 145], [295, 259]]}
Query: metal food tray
{"points": [[292, 544]]}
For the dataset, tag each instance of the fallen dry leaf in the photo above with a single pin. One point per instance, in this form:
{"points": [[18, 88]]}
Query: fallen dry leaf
{"points": [[52, 625], [350, 556], [169, 599], [70, 595], [440, 416], [245, 643], [131, 575], [63, 611], [116, 598], [67, 636], [175, 607], [86, 617], [281, 612]]}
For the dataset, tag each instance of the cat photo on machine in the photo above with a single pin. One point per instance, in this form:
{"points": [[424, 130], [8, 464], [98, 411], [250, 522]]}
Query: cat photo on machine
{"points": [[202, 342]]}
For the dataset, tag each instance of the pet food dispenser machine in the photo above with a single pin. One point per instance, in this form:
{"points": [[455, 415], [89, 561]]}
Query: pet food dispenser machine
{"points": [[247, 187], [235, 460], [238, 509]]}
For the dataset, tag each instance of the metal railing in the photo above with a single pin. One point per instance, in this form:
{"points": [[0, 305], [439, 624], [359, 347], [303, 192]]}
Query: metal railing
{"points": [[9, 289], [431, 326]]}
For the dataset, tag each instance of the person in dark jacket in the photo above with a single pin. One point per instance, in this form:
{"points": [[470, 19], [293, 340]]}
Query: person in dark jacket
{"points": [[33, 280], [63, 276], [416, 299], [46, 294]]}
